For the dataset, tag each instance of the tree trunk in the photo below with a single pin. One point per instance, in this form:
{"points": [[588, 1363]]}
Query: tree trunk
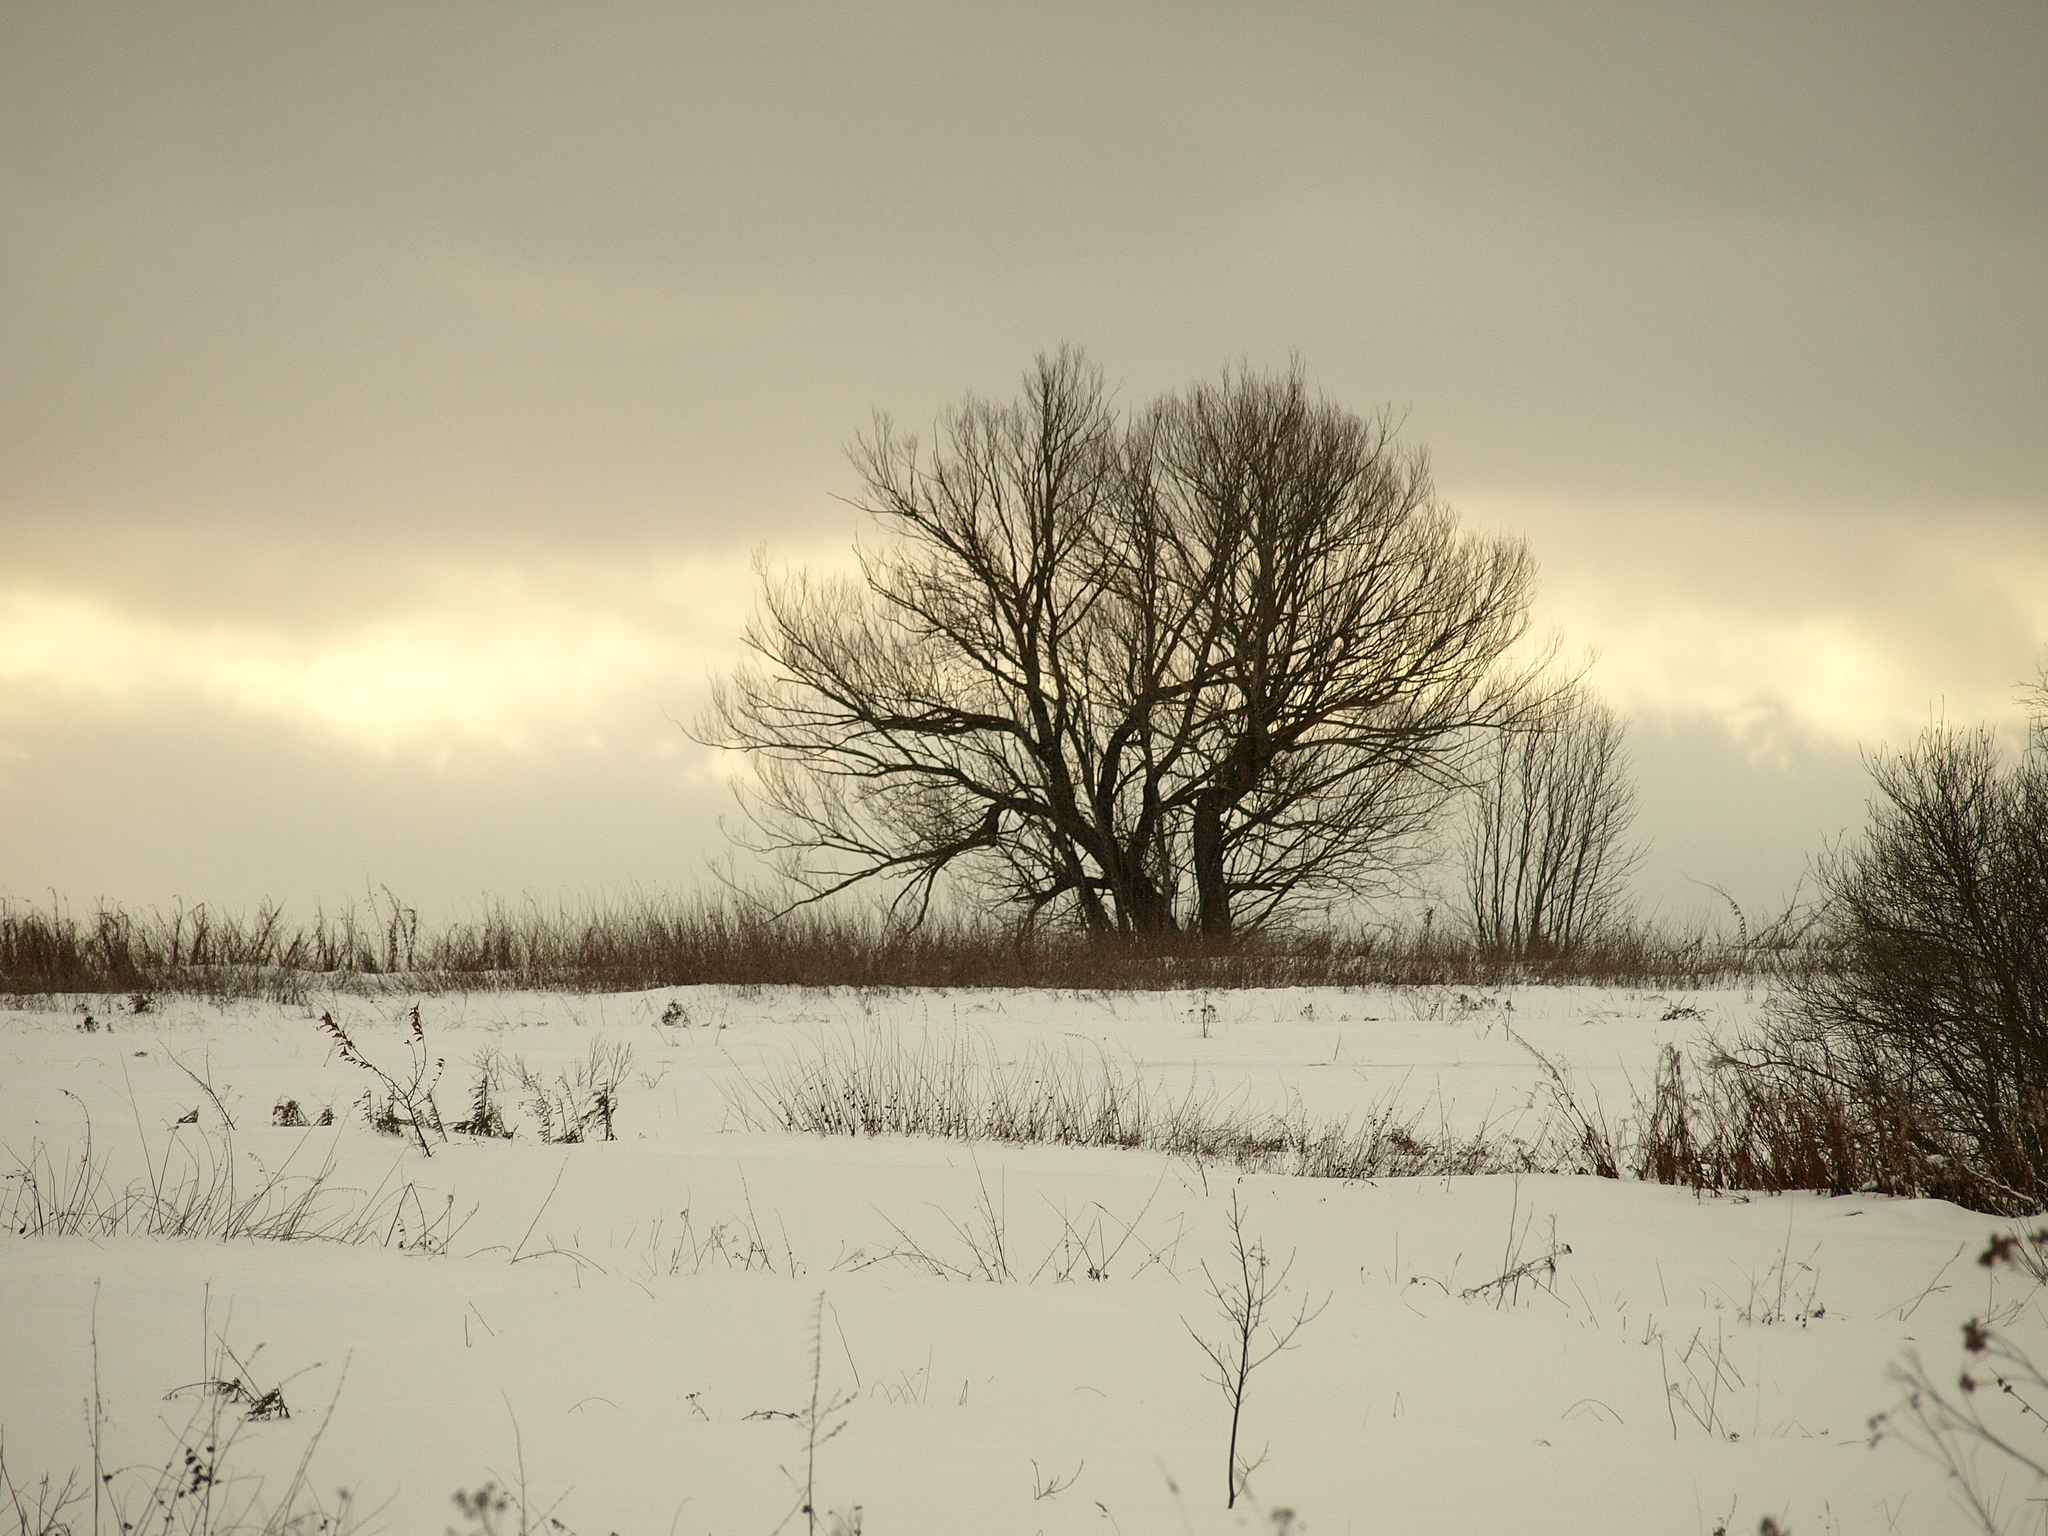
{"points": [[1212, 890]]}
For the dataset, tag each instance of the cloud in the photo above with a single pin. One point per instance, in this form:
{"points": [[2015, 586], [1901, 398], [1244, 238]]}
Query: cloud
{"points": [[509, 659], [1783, 630], [1792, 630]]}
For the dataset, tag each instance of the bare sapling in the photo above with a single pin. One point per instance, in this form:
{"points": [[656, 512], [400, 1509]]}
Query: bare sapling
{"points": [[821, 1419], [1245, 1292], [408, 1105]]}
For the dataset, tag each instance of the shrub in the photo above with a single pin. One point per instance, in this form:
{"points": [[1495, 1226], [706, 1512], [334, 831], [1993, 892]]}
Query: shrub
{"points": [[1938, 997], [485, 1117]]}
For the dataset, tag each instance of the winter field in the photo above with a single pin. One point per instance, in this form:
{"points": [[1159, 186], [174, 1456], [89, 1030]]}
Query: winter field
{"points": [[686, 1328]]}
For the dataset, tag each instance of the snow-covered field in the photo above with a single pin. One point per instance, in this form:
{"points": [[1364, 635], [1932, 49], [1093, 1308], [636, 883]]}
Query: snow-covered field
{"points": [[634, 1330]]}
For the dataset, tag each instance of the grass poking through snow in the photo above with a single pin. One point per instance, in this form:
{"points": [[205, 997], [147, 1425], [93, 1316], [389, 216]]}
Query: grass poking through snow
{"points": [[877, 1085]]}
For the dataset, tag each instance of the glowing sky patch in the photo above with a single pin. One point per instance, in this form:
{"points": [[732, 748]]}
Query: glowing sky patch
{"points": [[502, 661]]}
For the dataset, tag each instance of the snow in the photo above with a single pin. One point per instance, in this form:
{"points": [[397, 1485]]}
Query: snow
{"points": [[627, 1329]]}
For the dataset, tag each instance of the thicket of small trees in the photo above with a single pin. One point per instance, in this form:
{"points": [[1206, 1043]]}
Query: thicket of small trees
{"points": [[1932, 1014], [1194, 666], [1546, 854]]}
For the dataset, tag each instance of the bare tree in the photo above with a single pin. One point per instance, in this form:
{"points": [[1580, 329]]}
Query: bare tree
{"points": [[976, 702], [1247, 1288], [1546, 856], [1941, 918], [1193, 664], [1358, 639]]}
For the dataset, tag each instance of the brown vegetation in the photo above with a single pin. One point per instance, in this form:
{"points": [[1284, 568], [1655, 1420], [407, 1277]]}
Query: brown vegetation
{"points": [[1767, 1117], [656, 941]]}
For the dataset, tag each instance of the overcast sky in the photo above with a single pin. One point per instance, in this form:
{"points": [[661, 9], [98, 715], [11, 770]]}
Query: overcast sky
{"points": [[391, 398]]}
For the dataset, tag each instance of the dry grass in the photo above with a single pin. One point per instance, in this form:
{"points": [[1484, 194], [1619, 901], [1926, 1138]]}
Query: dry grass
{"points": [[191, 1188], [657, 941], [190, 1489], [877, 1085], [1744, 1120], [1771, 1114]]}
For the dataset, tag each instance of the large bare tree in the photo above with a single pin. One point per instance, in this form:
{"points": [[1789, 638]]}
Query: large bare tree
{"points": [[1198, 664]]}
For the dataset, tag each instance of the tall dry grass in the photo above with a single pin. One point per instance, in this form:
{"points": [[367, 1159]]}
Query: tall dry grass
{"points": [[1747, 1118], [1773, 1113], [657, 940], [877, 1084], [193, 1186]]}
